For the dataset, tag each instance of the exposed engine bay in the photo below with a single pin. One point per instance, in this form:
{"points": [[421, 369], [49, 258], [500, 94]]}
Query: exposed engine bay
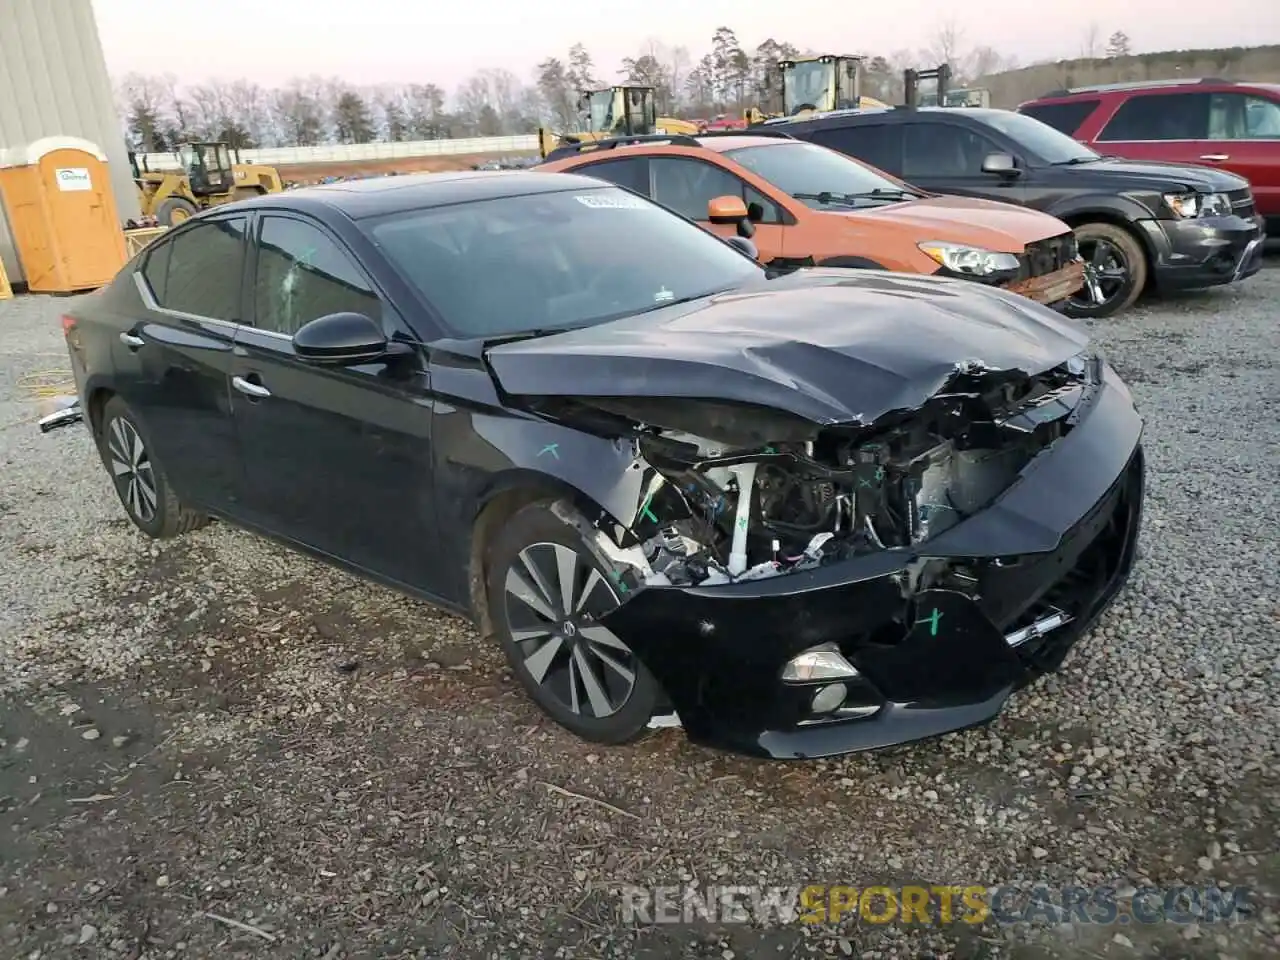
{"points": [[714, 513]]}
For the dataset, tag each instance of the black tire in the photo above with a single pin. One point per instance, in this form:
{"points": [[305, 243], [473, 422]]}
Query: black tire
{"points": [[593, 685], [175, 210], [1119, 264], [139, 479]]}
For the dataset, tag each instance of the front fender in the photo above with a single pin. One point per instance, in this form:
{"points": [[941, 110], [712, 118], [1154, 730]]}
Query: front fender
{"points": [[1109, 205]]}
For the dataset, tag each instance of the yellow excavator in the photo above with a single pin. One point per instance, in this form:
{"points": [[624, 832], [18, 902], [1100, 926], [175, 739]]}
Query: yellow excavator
{"points": [[623, 111], [208, 178], [816, 85]]}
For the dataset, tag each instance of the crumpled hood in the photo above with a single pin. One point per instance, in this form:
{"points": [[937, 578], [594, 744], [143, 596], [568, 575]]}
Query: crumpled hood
{"points": [[983, 223], [830, 346]]}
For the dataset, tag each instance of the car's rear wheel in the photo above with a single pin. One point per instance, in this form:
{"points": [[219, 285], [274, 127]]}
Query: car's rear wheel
{"points": [[547, 591], [139, 479], [1115, 271]]}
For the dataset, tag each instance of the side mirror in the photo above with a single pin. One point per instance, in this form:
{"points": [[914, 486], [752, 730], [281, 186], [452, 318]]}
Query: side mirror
{"points": [[341, 339], [1001, 164], [745, 245], [726, 209]]}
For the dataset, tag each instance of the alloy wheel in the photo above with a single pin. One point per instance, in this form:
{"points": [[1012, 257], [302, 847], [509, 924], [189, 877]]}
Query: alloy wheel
{"points": [[1106, 273], [554, 600], [131, 470]]}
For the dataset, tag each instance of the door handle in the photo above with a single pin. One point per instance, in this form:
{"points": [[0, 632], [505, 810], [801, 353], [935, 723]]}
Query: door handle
{"points": [[133, 341], [1214, 156], [249, 388]]}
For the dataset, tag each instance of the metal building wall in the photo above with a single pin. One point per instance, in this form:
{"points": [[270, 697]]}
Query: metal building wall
{"points": [[54, 82]]}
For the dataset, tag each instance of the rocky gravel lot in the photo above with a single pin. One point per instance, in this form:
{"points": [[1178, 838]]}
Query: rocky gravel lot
{"points": [[213, 748]]}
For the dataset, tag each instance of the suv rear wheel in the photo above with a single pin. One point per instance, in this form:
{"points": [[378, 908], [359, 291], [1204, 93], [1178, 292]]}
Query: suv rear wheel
{"points": [[1115, 271]]}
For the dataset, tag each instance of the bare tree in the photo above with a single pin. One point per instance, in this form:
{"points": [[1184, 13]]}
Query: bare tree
{"points": [[947, 46], [1091, 41], [1118, 45], [142, 103]]}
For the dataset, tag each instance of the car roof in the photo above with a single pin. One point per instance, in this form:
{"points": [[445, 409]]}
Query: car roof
{"points": [[1097, 91], [894, 114], [377, 196], [725, 144]]}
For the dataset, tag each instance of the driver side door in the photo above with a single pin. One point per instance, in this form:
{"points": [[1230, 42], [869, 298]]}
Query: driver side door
{"points": [[338, 459]]}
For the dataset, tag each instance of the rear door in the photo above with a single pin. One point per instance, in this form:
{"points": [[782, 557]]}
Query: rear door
{"points": [[1152, 125], [338, 458], [174, 363], [876, 144], [1244, 133]]}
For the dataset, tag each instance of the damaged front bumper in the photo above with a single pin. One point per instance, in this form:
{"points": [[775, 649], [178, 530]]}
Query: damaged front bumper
{"points": [[1011, 589]]}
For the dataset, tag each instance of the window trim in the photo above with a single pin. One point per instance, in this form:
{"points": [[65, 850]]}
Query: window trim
{"points": [[644, 158], [1094, 103], [144, 286], [251, 271]]}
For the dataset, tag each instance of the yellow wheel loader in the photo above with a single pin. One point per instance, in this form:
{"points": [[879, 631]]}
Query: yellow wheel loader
{"points": [[817, 85], [208, 178], [624, 111]]}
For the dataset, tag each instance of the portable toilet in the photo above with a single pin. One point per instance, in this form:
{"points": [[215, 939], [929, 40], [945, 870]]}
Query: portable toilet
{"points": [[62, 214]]}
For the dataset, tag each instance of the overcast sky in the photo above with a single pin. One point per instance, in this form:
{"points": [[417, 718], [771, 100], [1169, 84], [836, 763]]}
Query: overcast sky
{"points": [[444, 41]]}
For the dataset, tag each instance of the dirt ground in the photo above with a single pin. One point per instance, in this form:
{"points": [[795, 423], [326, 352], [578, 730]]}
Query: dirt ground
{"points": [[309, 172], [214, 748]]}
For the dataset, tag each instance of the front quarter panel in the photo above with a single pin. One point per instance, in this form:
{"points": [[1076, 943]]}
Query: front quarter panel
{"points": [[484, 449]]}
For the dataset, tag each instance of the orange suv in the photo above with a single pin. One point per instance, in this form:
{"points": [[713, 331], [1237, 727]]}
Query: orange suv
{"points": [[805, 205]]}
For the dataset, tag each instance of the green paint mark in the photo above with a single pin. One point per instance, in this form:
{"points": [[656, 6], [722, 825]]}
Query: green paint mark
{"points": [[932, 620], [644, 509], [742, 523], [879, 473], [616, 577], [770, 450], [551, 448]]}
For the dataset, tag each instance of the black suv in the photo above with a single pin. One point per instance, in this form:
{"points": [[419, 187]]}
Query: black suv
{"points": [[1176, 226]]}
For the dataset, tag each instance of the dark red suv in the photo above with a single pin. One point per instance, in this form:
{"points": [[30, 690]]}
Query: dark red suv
{"points": [[1220, 123]]}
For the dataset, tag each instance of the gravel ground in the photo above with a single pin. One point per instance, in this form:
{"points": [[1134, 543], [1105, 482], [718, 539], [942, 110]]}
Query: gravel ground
{"points": [[215, 726]]}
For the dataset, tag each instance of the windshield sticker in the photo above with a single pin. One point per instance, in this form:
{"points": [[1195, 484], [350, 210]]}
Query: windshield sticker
{"points": [[663, 295], [620, 201]]}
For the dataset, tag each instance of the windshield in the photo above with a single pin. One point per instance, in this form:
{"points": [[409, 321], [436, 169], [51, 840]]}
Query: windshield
{"points": [[808, 84], [809, 172], [552, 261], [1039, 138]]}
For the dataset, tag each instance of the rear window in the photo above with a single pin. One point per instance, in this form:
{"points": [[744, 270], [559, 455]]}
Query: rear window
{"points": [[1064, 117]]}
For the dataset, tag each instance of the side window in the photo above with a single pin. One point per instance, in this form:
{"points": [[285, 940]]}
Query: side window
{"points": [[302, 275], [769, 210], [155, 269], [632, 173], [1063, 117], [202, 270], [689, 186], [1241, 116], [943, 150], [1159, 116], [877, 144]]}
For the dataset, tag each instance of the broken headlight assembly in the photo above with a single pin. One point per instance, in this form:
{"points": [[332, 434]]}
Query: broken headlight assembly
{"points": [[971, 261], [717, 511], [1194, 205]]}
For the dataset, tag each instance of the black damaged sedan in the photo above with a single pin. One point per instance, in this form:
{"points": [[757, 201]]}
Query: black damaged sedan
{"points": [[798, 515]]}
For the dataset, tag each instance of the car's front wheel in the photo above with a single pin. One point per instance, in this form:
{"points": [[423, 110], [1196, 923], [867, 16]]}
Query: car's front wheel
{"points": [[139, 479], [547, 591], [1115, 271]]}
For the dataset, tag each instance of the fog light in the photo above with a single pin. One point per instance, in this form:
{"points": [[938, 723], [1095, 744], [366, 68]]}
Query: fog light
{"points": [[824, 662], [828, 698]]}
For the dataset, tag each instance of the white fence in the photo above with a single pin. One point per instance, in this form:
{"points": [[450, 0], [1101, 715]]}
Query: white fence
{"points": [[361, 152]]}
